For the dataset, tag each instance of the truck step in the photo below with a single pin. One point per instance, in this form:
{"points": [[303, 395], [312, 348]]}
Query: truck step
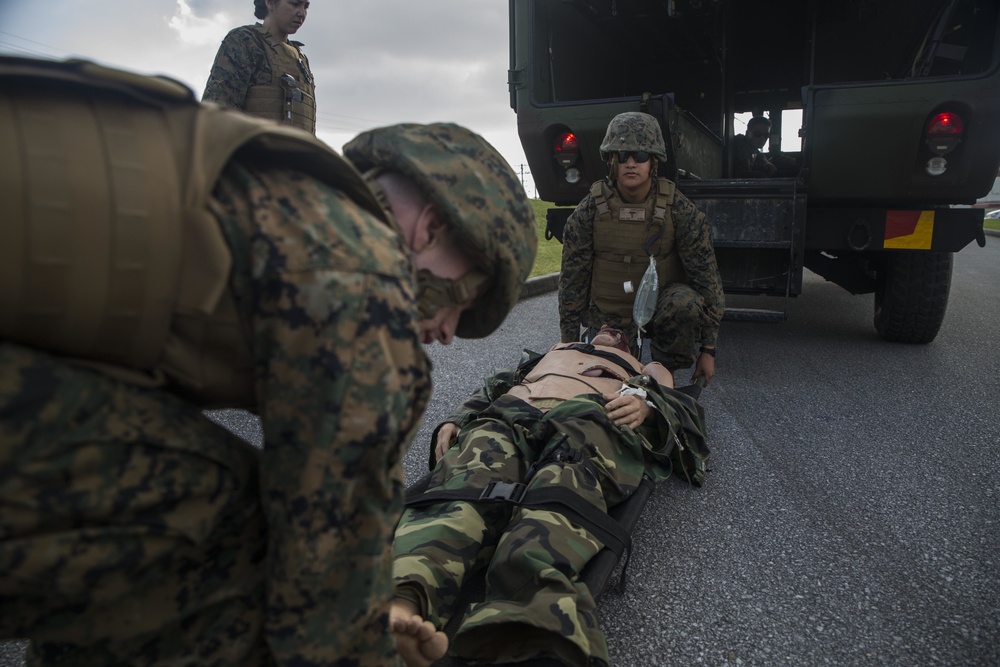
{"points": [[754, 315]]}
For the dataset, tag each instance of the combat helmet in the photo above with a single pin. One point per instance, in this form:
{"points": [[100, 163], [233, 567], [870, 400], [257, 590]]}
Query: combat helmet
{"points": [[479, 198], [634, 131]]}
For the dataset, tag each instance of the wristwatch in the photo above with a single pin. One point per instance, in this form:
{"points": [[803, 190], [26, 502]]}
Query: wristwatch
{"points": [[708, 350]]}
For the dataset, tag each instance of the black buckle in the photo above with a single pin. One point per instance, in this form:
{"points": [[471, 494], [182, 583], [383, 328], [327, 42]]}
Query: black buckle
{"points": [[503, 492]]}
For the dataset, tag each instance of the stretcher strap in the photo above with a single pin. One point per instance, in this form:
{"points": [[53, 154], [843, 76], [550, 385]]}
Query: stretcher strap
{"points": [[554, 499]]}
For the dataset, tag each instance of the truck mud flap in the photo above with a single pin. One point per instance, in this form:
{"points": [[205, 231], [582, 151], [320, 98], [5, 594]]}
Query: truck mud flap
{"points": [[555, 223]]}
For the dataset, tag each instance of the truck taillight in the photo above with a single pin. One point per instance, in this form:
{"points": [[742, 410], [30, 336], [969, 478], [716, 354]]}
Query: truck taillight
{"points": [[566, 142], [943, 133], [567, 149], [945, 124]]}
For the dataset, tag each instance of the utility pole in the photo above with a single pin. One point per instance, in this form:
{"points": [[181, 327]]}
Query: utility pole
{"points": [[521, 167]]}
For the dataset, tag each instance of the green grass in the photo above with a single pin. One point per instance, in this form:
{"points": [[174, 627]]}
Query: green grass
{"points": [[549, 258], [987, 224]]}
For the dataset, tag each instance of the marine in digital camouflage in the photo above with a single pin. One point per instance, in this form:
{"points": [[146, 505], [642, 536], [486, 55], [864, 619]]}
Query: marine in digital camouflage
{"points": [[132, 529], [183, 550], [248, 57], [535, 603], [687, 313]]}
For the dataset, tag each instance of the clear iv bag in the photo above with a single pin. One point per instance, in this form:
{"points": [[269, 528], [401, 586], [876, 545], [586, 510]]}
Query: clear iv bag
{"points": [[645, 296]]}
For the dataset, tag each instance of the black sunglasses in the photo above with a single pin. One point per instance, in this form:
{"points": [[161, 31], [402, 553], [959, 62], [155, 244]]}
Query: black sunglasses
{"points": [[638, 156], [760, 133]]}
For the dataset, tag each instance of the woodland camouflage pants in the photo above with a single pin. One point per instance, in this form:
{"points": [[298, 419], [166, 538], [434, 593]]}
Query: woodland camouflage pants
{"points": [[535, 604], [130, 531]]}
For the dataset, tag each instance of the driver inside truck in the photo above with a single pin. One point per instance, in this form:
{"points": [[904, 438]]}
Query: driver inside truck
{"points": [[749, 160], [525, 473]]}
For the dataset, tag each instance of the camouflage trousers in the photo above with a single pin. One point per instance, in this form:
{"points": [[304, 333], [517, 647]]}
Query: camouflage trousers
{"points": [[535, 604], [673, 333], [130, 530]]}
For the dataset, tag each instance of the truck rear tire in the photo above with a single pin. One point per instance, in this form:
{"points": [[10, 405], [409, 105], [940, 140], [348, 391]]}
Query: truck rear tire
{"points": [[911, 295]]}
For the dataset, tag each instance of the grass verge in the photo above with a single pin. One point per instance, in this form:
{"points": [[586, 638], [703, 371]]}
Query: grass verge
{"points": [[549, 258]]}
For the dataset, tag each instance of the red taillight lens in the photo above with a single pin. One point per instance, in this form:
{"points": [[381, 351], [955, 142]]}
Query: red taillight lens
{"points": [[567, 149], [946, 124], [566, 143]]}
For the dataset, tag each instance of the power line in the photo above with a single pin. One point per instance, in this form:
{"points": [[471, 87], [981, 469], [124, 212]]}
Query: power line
{"points": [[22, 50], [30, 41]]}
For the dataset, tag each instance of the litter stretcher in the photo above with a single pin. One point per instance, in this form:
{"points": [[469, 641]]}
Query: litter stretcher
{"points": [[597, 574]]}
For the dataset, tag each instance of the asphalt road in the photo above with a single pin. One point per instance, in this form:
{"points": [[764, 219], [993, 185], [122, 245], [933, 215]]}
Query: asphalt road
{"points": [[851, 513]]}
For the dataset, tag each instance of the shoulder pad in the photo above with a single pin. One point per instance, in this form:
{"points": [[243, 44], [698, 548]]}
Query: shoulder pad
{"points": [[666, 189]]}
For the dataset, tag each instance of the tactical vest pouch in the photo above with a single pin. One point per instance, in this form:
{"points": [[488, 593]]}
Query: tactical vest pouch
{"points": [[90, 245], [265, 102], [291, 107]]}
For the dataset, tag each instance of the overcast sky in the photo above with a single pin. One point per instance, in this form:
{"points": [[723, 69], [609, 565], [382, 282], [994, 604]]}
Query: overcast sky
{"points": [[376, 62]]}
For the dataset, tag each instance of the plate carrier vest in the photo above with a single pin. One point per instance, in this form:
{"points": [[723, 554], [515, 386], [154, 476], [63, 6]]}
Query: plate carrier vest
{"points": [[295, 106], [621, 232], [109, 252]]}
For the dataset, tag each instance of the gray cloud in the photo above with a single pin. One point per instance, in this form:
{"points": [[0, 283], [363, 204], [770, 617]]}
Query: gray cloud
{"points": [[421, 61], [376, 62], [234, 7]]}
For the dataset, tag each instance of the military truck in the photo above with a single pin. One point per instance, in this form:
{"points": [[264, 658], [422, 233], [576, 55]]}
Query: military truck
{"points": [[897, 104]]}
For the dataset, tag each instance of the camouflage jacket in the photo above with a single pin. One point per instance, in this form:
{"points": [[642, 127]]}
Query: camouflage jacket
{"points": [[747, 158], [694, 246], [241, 63], [342, 380], [675, 435]]}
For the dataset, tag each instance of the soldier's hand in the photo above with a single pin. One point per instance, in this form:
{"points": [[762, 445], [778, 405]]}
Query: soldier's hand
{"points": [[445, 435], [704, 366], [628, 410]]}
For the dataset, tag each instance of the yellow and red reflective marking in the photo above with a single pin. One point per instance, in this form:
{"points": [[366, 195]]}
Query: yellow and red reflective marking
{"points": [[909, 230]]}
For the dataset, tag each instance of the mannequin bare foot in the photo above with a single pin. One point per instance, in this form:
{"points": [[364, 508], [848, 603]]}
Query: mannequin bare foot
{"points": [[417, 640]]}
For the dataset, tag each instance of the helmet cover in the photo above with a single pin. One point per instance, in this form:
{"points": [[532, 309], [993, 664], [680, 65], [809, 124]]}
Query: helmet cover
{"points": [[479, 198], [634, 131]]}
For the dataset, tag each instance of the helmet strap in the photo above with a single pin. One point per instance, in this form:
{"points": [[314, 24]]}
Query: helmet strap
{"points": [[613, 167], [371, 180], [435, 292]]}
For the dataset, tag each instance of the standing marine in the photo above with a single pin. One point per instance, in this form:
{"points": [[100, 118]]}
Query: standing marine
{"points": [[259, 71], [624, 220], [161, 257]]}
